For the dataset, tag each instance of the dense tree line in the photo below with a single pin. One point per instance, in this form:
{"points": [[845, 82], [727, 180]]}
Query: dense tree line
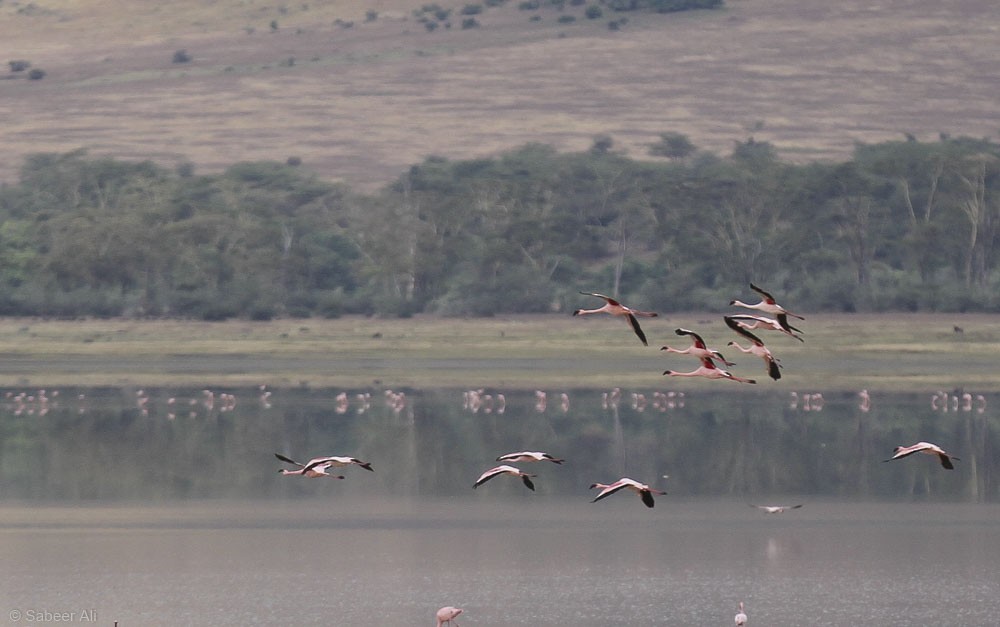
{"points": [[902, 225]]}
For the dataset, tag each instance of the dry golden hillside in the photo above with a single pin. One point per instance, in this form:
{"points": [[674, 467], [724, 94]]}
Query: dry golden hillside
{"points": [[362, 103]]}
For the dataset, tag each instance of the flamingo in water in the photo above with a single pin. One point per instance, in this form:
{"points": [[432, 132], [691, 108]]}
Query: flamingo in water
{"points": [[767, 304], [644, 491], [926, 448], [709, 370], [698, 348], [615, 308], [447, 615], [776, 509], [741, 617], [505, 470]]}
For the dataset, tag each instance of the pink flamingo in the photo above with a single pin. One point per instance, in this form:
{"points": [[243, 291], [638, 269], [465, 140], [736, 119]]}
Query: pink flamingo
{"points": [[698, 348], [615, 308], [709, 370], [644, 491], [756, 348], [314, 468], [778, 323], [504, 470], [926, 448], [776, 509], [529, 456], [741, 617], [447, 615], [767, 305]]}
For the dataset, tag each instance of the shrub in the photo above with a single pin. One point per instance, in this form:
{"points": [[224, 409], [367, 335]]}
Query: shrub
{"points": [[181, 56], [593, 12], [566, 19], [36, 74], [472, 9], [371, 15], [530, 5], [19, 65], [470, 22]]}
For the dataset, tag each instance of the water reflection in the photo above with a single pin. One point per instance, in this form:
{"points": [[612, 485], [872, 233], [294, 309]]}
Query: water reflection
{"points": [[164, 507], [74, 444]]}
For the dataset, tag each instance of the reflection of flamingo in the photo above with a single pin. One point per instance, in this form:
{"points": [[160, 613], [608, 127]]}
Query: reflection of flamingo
{"points": [[776, 509], [613, 307], [709, 370], [447, 614], [698, 348], [767, 305], [644, 491], [924, 447], [504, 470], [741, 617]]}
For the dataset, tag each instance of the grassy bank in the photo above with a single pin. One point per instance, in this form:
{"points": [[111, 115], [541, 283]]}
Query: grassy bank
{"points": [[890, 352]]}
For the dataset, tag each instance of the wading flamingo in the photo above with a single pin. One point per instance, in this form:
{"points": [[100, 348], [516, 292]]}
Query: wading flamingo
{"points": [[698, 348], [926, 448], [613, 307], [314, 468], [767, 305], [504, 470], [741, 617], [529, 456], [709, 370], [447, 615], [644, 491]]}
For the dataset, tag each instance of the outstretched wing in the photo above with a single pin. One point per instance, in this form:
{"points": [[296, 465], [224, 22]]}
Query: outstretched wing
{"points": [[290, 461], [608, 491], [647, 498], [606, 298], [767, 297], [731, 322], [698, 341], [638, 330]]}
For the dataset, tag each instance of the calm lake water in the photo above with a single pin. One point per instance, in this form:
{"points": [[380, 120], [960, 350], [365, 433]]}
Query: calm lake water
{"points": [[160, 512]]}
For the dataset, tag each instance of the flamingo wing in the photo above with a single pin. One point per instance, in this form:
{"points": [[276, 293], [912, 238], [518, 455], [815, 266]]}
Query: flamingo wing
{"points": [[527, 482], [647, 498], [732, 323], [290, 461], [608, 299], [946, 461], [698, 341], [608, 491], [767, 297], [632, 320]]}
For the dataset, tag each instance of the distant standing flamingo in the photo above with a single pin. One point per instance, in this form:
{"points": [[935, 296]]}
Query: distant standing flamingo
{"points": [[708, 370], [613, 307], [741, 617], [644, 491], [447, 615], [698, 348], [505, 470], [926, 448], [767, 305]]}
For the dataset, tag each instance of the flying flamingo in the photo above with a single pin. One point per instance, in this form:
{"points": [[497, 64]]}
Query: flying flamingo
{"points": [[329, 462], [776, 509], [529, 456], [756, 348], [767, 305], [613, 307], [778, 323], [709, 370], [447, 615], [926, 448], [644, 491], [698, 348], [504, 470], [314, 468], [741, 617]]}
